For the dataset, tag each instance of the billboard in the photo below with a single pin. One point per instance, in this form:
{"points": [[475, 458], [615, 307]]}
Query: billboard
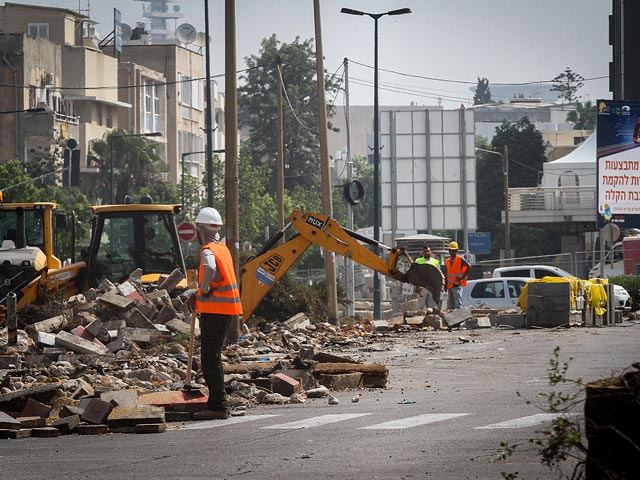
{"points": [[427, 171], [117, 30], [618, 163]]}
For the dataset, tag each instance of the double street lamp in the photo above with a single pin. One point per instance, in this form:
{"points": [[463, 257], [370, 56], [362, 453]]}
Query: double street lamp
{"points": [[111, 163], [505, 170], [377, 313]]}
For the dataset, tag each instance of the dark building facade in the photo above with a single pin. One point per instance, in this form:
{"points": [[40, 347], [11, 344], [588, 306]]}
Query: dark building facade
{"points": [[624, 69]]}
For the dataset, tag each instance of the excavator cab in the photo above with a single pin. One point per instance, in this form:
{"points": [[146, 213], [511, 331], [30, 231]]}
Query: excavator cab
{"points": [[133, 236]]}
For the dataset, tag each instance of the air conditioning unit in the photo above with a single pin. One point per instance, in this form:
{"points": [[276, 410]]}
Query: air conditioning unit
{"points": [[49, 78]]}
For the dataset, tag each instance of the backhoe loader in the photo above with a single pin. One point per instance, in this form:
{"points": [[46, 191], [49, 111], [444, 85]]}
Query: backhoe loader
{"points": [[261, 273]]}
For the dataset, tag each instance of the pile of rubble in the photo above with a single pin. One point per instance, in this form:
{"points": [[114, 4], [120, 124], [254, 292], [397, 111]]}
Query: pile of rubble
{"points": [[114, 359]]}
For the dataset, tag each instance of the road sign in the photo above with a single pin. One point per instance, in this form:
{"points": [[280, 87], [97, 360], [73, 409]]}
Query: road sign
{"points": [[187, 231], [480, 242]]}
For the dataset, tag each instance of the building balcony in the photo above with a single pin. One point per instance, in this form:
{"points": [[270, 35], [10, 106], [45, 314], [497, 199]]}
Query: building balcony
{"points": [[562, 209]]}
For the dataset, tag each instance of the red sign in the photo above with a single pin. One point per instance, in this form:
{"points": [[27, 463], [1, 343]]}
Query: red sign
{"points": [[187, 231]]}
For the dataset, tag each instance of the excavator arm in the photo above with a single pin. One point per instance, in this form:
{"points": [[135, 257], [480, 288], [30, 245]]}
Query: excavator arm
{"points": [[261, 273]]}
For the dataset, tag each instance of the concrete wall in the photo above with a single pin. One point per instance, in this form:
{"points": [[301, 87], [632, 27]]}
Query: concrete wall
{"points": [[32, 58], [16, 19]]}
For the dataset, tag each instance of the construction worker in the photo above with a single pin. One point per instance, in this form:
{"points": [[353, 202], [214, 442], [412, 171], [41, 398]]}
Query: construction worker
{"points": [[457, 272], [217, 300], [426, 258]]}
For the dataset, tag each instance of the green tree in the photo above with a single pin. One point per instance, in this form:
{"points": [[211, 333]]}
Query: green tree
{"points": [[483, 93], [526, 157], [567, 85], [137, 168], [257, 103], [584, 116]]}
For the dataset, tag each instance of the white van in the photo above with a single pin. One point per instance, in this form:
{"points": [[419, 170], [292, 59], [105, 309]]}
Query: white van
{"points": [[531, 271]]}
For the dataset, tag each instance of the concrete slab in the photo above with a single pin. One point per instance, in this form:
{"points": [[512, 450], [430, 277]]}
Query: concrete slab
{"points": [[130, 417]]}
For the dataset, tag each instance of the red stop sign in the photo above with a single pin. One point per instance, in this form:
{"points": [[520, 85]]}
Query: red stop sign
{"points": [[187, 231]]}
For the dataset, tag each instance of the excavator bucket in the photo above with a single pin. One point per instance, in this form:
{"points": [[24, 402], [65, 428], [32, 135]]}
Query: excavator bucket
{"points": [[426, 276]]}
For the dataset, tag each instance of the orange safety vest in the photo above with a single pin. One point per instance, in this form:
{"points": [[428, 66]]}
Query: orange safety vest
{"points": [[224, 296], [455, 272]]}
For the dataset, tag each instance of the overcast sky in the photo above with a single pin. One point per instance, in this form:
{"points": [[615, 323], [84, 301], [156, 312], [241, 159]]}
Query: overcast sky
{"points": [[506, 41]]}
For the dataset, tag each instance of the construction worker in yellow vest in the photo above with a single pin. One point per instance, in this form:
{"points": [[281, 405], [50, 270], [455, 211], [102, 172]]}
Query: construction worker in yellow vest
{"points": [[457, 272], [426, 257], [217, 301]]}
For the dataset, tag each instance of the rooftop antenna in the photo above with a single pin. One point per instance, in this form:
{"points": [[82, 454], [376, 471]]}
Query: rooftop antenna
{"points": [[86, 11]]}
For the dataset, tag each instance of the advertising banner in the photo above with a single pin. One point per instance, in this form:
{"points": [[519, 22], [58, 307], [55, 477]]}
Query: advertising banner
{"points": [[618, 163]]}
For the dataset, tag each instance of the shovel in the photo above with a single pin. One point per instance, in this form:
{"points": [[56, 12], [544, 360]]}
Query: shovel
{"points": [[192, 334]]}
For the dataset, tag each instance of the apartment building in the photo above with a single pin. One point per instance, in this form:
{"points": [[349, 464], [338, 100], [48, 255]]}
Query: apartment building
{"points": [[59, 67]]}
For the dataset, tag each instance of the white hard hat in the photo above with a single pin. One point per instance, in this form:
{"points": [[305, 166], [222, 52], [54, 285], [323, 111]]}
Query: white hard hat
{"points": [[209, 216]]}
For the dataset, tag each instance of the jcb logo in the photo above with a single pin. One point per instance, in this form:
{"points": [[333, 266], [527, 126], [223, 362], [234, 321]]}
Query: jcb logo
{"points": [[316, 222], [272, 264]]}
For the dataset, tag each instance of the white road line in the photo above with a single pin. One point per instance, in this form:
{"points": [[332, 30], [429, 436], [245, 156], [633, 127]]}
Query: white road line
{"points": [[316, 421], [414, 421], [529, 421], [201, 425]]}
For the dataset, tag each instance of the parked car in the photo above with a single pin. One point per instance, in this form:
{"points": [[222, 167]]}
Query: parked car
{"points": [[621, 298], [532, 271], [495, 293]]}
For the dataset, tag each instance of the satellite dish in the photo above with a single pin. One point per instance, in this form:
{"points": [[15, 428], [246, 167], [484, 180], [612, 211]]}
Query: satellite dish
{"points": [[176, 8], [201, 39], [186, 33], [126, 31]]}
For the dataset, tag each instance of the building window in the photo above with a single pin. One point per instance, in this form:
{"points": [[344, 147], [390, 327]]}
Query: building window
{"points": [[185, 95], [151, 106], [99, 114], [38, 30], [191, 143], [109, 116]]}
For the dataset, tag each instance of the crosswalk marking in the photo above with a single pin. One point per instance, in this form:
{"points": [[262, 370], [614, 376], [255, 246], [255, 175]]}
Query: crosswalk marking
{"points": [[414, 421], [528, 421], [202, 425], [316, 421]]}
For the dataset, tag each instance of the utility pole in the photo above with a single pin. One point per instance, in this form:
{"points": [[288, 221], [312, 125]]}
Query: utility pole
{"points": [[231, 182], [208, 124], [351, 296], [327, 206], [280, 159], [507, 225]]}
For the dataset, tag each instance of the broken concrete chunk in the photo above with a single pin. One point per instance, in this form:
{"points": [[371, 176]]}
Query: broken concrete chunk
{"points": [[299, 321], [45, 432], [7, 422], [33, 408], [284, 384], [132, 416], [84, 429], [121, 398], [83, 390], [380, 325], [166, 314], [32, 422], [177, 325], [94, 327], [46, 339], [135, 318], [66, 424], [49, 325], [151, 428], [118, 301], [172, 281], [319, 392], [455, 317], [22, 433], [342, 381], [142, 335], [9, 362], [97, 411], [126, 288], [79, 345]]}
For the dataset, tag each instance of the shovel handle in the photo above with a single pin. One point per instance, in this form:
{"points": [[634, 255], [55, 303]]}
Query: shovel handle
{"points": [[192, 335]]}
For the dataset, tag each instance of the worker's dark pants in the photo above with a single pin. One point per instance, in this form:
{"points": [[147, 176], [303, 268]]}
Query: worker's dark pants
{"points": [[213, 328]]}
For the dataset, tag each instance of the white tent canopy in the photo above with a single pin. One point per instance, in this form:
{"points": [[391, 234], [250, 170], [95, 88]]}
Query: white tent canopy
{"points": [[577, 168]]}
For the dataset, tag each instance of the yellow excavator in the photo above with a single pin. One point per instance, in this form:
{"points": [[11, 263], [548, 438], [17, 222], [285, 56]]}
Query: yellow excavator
{"points": [[28, 266], [261, 273], [123, 238]]}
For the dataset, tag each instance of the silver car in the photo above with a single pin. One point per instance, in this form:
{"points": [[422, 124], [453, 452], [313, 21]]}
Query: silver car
{"points": [[494, 293]]}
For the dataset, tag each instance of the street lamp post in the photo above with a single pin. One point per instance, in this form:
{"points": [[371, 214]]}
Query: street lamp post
{"points": [[111, 163], [377, 313], [507, 226]]}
